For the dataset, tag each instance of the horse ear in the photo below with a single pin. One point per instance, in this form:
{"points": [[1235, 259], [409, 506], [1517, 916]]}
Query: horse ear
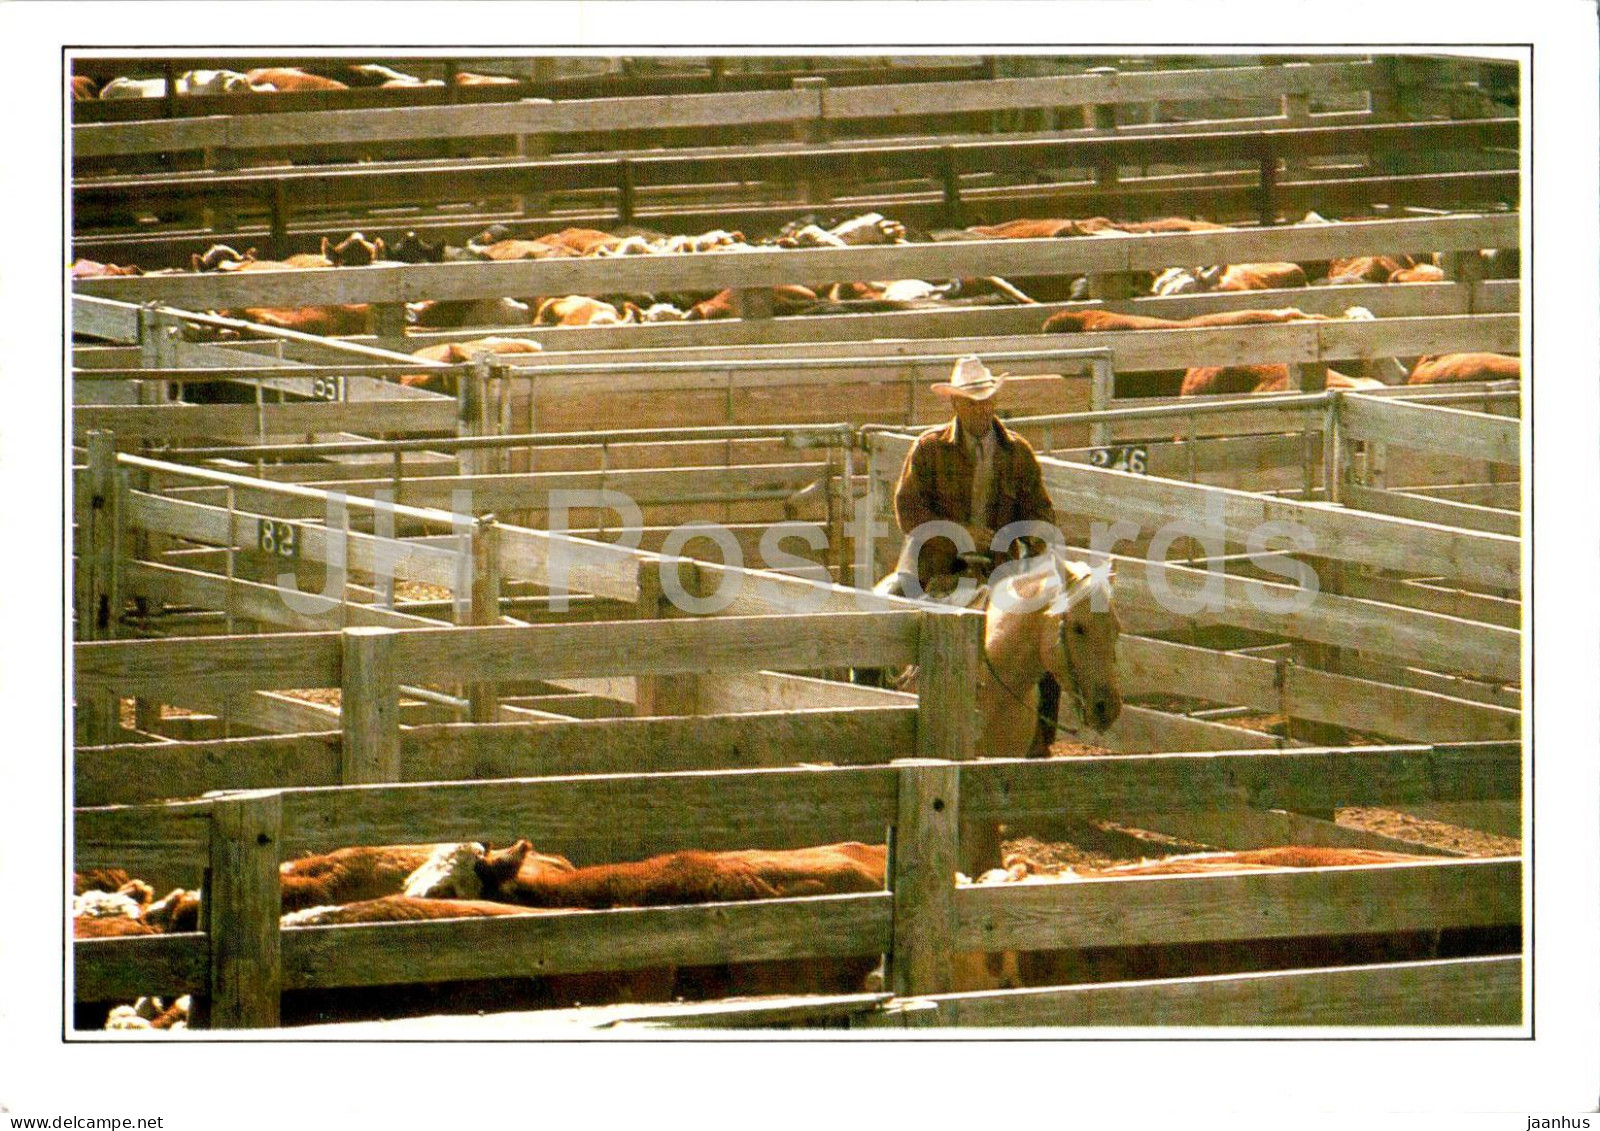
{"points": [[1073, 572]]}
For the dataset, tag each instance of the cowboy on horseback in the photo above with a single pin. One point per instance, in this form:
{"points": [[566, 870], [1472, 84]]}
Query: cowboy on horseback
{"points": [[980, 476]]}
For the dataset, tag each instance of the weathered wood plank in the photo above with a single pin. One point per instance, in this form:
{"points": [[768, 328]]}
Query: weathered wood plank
{"points": [[1470, 435], [275, 421], [126, 969], [923, 854], [1469, 991], [1392, 543], [133, 773], [643, 814], [1254, 828], [136, 836], [1412, 635], [242, 904], [1302, 779], [578, 941], [1443, 512], [844, 735], [660, 647], [1218, 907], [369, 706], [238, 663], [1158, 666]]}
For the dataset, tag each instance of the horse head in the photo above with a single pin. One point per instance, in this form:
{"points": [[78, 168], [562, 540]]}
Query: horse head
{"points": [[1081, 651], [1064, 608]]}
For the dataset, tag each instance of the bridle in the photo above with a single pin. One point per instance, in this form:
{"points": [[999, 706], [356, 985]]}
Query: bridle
{"points": [[1075, 681]]}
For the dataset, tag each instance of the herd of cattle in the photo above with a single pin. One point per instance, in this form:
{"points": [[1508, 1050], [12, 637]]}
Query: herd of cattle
{"points": [[410, 883], [270, 80], [498, 243]]}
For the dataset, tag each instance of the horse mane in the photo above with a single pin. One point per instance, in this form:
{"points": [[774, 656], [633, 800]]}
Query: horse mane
{"points": [[1052, 569]]}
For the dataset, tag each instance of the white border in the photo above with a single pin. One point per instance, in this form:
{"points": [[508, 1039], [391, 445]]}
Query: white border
{"points": [[793, 1084]]}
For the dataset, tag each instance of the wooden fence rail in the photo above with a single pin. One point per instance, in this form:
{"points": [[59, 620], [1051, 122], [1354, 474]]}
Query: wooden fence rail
{"points": [[717, 270], [285, 191], [821, 104]]}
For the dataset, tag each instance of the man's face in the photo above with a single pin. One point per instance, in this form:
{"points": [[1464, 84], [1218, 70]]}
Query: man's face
{"points": [[976, 417]]}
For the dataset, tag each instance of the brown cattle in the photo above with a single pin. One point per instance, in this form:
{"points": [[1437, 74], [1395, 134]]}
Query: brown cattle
{"points": [[350, 875], [89, 269], [580, 241], [581, 310], [1215, 380], [355, 250], [83, 88], [288, 79], [1104, 321], [465, 351], [176, 912], [99, 879], [690, 876], [221, 257], [453, 353], [323, 320], [401, 909], [1367, 268], [1421, 273], [1048, 229], [1261, 277], [1210, 380], [786, 299], [1440, 369], [510, 250], [110, 927], [473, 78]]}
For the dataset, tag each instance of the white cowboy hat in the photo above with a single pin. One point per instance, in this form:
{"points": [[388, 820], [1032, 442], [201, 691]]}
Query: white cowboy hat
{"points": [[970, 378]]}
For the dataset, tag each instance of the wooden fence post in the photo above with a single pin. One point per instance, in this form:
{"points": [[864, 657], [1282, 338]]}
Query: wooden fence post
{"points": [[389, 324], [472, 413], [98, 599], [1296, 108], [242, 905], [483, 705], [1466, 268], [949, 648], [662, 694], [813, 130], [369, 707], [923, 852], [1102, 389], [1103, 117]]}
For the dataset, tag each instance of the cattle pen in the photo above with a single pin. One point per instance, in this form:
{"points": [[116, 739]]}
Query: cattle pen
{"points": [[604, 595]]}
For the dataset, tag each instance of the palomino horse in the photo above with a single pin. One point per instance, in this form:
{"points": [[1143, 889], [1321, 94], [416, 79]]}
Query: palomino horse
{"points": [[1046, 614], [1054, 616]]}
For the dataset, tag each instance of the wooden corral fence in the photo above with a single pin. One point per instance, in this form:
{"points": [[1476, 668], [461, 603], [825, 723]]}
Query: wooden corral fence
{"points": [[243, 961], [1231, 165], [540, 76], [215, 200], [1458, 238], [808, 103]]}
